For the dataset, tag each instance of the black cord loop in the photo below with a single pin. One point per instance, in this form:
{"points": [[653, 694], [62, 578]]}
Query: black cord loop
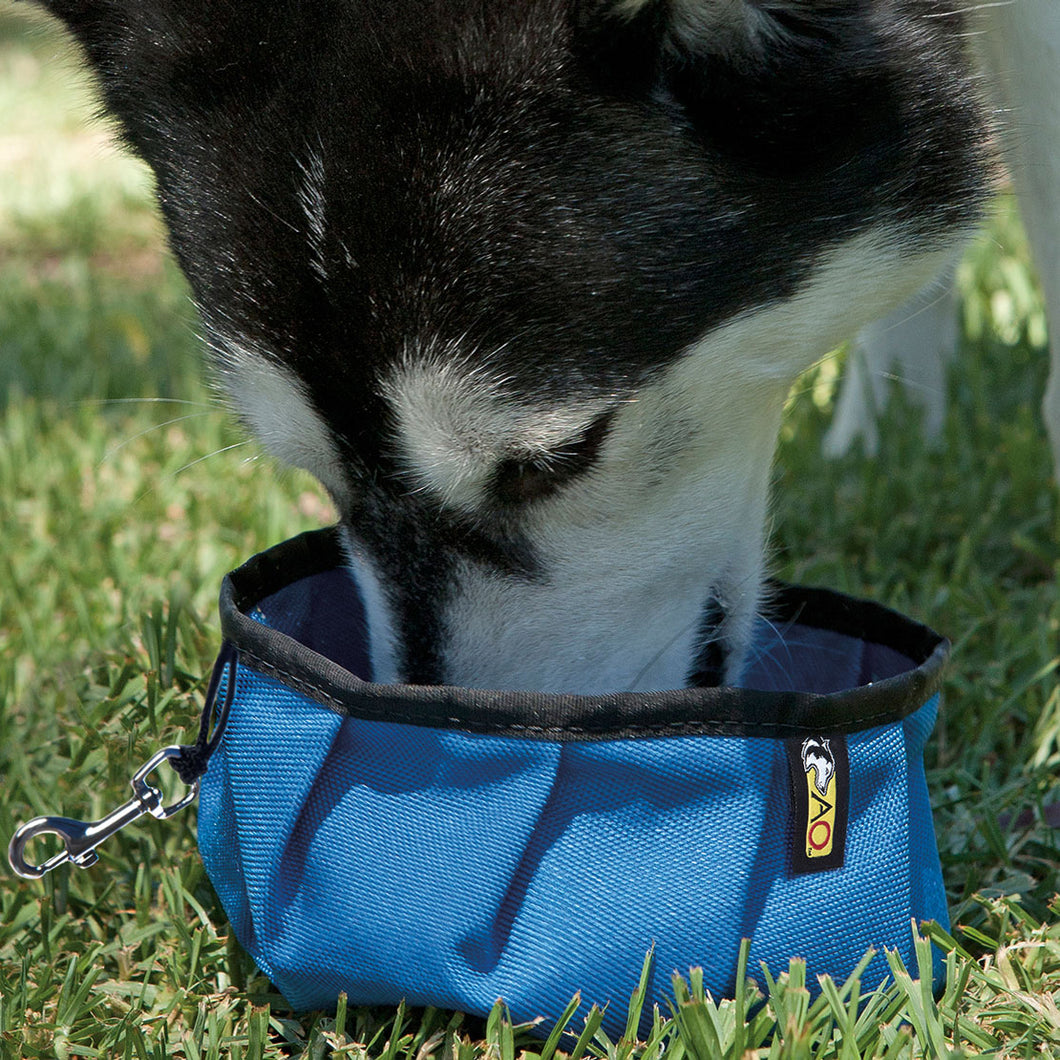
{"points": [[191, 763]]}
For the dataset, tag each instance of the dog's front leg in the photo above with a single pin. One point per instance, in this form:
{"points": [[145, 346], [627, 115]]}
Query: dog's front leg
{"points": [[913, 346]]}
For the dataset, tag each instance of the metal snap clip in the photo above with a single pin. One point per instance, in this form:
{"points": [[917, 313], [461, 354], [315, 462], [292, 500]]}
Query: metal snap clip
{"points": [[80, 838]]}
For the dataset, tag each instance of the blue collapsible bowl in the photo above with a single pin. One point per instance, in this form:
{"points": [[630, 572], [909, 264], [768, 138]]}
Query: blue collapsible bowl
{"points": [[452, 846]]}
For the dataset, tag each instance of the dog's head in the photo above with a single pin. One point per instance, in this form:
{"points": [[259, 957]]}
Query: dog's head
{"points": [[525, 283]]}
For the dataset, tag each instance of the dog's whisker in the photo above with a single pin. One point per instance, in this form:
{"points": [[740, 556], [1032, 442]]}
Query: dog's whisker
{"points": [[101, 402], [760, 652], [907, 382], [646, 668], [215, 452], [180, 470], [111, 453], [964, 9], [943, 294]]}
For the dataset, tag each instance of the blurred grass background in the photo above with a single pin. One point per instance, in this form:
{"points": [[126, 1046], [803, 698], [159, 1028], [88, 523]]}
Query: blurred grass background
{"points": [[126, 493]]}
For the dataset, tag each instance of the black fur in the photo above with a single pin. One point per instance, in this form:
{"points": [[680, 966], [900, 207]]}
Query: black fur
{"points": [[494, 182], [708, 668]]}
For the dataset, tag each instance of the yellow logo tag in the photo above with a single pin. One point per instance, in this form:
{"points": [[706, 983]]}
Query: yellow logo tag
{"points": [[820, 779], [820, 826]]}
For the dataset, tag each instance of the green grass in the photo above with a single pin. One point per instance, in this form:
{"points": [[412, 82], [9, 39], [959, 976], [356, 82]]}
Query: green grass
{"points": [[126, 493]]}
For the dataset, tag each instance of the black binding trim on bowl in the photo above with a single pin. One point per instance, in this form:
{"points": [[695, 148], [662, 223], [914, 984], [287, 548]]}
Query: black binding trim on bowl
{"points": [[552, 716]]}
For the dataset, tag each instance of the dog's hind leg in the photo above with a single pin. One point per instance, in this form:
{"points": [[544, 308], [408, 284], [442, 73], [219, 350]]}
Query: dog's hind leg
{"points": [[1021, 45]]}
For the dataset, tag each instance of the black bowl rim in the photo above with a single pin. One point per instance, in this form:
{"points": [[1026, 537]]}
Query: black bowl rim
{"points": [[563, 717]]}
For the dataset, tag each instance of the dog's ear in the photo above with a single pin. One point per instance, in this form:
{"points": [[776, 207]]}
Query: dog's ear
{"points": [[747, 27], [763, 78], [643, 36], [732, 28]]}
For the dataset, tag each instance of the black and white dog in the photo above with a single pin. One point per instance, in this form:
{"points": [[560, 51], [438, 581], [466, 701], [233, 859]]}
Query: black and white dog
{"points": [[525, 283]]}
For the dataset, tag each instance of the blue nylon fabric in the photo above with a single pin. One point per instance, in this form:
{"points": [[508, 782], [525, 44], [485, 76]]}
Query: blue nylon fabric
{"points": [[396, 862]]}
